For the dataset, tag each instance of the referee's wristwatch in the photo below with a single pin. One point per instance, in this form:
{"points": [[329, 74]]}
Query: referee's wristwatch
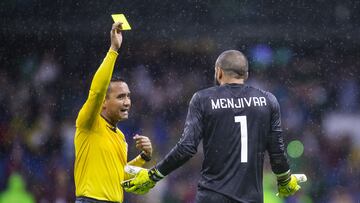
{"points": [[145, 157]]}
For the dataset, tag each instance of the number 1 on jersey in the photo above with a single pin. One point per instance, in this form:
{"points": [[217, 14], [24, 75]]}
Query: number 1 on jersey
{"points": [[244, 137]]}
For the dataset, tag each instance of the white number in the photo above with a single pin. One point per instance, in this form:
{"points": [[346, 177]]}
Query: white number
{"points": [[244, 137]]}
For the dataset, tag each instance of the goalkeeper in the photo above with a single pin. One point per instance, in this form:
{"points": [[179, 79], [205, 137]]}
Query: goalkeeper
{"points": [[237, 124]]}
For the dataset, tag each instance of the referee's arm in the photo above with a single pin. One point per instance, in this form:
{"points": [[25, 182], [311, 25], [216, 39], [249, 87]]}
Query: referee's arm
{"points": [[99, 84]]}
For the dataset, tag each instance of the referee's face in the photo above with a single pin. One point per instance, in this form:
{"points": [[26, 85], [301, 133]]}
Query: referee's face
{"points": [[117, 103]]}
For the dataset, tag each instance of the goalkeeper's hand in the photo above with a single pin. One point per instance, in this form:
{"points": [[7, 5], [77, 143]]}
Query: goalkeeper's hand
{"points": [[143, 181], [288, 184]]}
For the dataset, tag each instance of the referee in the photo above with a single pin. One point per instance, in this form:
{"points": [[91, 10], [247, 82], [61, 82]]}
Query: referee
{"points": [[100, 147]]}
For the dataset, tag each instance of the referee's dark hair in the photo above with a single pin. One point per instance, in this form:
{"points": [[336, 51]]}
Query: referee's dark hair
{"points": [[115, 78]]}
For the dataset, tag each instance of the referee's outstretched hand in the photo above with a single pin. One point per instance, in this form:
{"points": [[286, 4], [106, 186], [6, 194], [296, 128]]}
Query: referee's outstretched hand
{"points": [[116, 36]]}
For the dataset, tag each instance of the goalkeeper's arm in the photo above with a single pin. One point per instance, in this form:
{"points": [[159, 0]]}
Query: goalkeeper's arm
{"points": [[287, 183], [180, 154]]}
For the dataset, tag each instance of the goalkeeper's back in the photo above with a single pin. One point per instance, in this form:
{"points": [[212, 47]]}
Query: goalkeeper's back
{"points": [[240, 123], [237, 124]]}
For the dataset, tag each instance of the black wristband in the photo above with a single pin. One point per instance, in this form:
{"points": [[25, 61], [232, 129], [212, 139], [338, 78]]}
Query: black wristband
{"points": [[155, 175], [284, 179], [145, 157]]}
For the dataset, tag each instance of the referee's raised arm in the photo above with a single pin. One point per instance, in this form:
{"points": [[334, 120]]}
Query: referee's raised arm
{"points": [[100, 82]]}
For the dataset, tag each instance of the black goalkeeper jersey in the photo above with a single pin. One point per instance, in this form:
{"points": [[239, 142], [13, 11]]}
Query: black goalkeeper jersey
{"points": [[237, 124]]}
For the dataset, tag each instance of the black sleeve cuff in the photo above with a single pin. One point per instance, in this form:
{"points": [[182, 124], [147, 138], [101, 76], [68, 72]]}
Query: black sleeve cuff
{"points": [[155, 175]]}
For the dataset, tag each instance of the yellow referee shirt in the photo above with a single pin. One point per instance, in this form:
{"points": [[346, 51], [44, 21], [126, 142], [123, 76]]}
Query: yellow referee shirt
{"points": [[100, 148]]}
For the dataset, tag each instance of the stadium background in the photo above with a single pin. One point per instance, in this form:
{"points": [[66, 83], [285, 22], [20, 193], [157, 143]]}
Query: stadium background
{"points": [[306, 52]]}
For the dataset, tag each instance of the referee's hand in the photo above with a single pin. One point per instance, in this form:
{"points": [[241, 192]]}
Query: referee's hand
{"points": [[143, 143], [116, 36]]}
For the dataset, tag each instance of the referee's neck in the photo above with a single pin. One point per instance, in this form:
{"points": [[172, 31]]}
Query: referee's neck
{"points": [[113, 124]]}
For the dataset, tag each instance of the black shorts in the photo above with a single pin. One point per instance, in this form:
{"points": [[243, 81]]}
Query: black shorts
{"points": [[90, 200], [204, 195]]}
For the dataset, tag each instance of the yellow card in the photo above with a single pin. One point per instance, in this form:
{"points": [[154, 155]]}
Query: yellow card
{"points": [[121, 18]]}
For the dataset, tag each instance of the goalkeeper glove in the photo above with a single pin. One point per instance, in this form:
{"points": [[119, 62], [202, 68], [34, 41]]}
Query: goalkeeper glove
{"points": [[288, 183], [143, 181]]}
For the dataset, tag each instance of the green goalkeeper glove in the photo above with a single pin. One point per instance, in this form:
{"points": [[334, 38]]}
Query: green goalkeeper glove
{"points": [[143, 181], [288, 184]]}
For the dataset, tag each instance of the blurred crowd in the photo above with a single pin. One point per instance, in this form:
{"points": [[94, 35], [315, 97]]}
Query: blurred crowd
{"points": [[42, 89]]}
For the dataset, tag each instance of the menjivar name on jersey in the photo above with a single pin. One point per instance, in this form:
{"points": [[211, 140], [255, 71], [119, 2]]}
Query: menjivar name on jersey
{"points": [[224, 103]]}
